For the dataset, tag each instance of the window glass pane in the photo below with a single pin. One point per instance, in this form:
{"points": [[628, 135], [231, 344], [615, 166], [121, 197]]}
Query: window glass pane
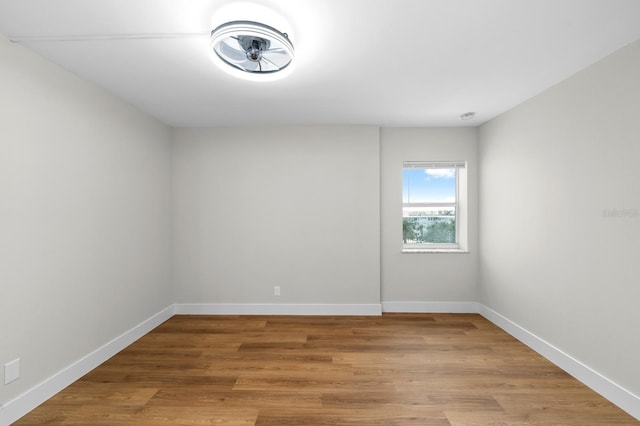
{"points": [[433, 185], [429, 225]]}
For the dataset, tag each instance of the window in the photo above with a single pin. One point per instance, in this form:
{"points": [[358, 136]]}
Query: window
{"points": [[434, 206]]}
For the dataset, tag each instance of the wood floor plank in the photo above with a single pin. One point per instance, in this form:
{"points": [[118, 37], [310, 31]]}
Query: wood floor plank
{"points": [[394, 369], [372, 416], [187, 396]]}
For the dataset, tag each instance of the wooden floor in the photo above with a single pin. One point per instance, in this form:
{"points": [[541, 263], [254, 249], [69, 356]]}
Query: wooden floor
{"points": [[398, 369]]}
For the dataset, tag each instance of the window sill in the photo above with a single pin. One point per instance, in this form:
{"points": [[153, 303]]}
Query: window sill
{"points": [[434, 250]]}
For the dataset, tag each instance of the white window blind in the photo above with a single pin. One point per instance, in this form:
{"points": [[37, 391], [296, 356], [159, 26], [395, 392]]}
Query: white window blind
{"points": [[433, 165]]}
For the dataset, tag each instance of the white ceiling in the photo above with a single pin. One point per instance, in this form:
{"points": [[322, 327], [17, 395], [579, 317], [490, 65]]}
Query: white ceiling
{"points": [[380, 62]]}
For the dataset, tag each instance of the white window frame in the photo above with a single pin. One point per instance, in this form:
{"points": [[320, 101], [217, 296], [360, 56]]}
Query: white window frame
{"points": [[460, 205]]}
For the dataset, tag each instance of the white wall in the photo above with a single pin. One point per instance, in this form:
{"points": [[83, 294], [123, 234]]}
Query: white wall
{"points": [[296, 207], [560, 216], [84, 217], [425, 277]]}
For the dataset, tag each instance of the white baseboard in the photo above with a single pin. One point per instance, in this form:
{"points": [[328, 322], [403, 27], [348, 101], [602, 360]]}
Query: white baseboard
{"points": [[29, 400], [276, 309], [432, 307], [619, 396]]}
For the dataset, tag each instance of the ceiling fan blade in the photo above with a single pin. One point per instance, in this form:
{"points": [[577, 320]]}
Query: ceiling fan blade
{"points": [[231, 53], [268, 65], [251, 66], [278, 59], [278, 50]]}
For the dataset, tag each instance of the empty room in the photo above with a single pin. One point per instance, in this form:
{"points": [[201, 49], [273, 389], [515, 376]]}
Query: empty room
{"points": [[271, 212]]}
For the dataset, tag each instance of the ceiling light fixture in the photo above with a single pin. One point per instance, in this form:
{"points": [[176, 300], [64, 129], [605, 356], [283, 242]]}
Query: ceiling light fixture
{"points": [[248, 48], [468, 115]]}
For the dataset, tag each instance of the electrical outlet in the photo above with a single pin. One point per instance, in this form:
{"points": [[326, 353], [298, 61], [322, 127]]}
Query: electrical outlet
{"points": [[276, 290], [11, 371]]}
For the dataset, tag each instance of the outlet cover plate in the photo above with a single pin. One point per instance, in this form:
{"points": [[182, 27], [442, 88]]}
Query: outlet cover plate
{"points": [[11, 371]]}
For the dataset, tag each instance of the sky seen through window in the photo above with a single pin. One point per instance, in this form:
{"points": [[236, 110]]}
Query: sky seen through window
{"points": [[429, 185]]}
